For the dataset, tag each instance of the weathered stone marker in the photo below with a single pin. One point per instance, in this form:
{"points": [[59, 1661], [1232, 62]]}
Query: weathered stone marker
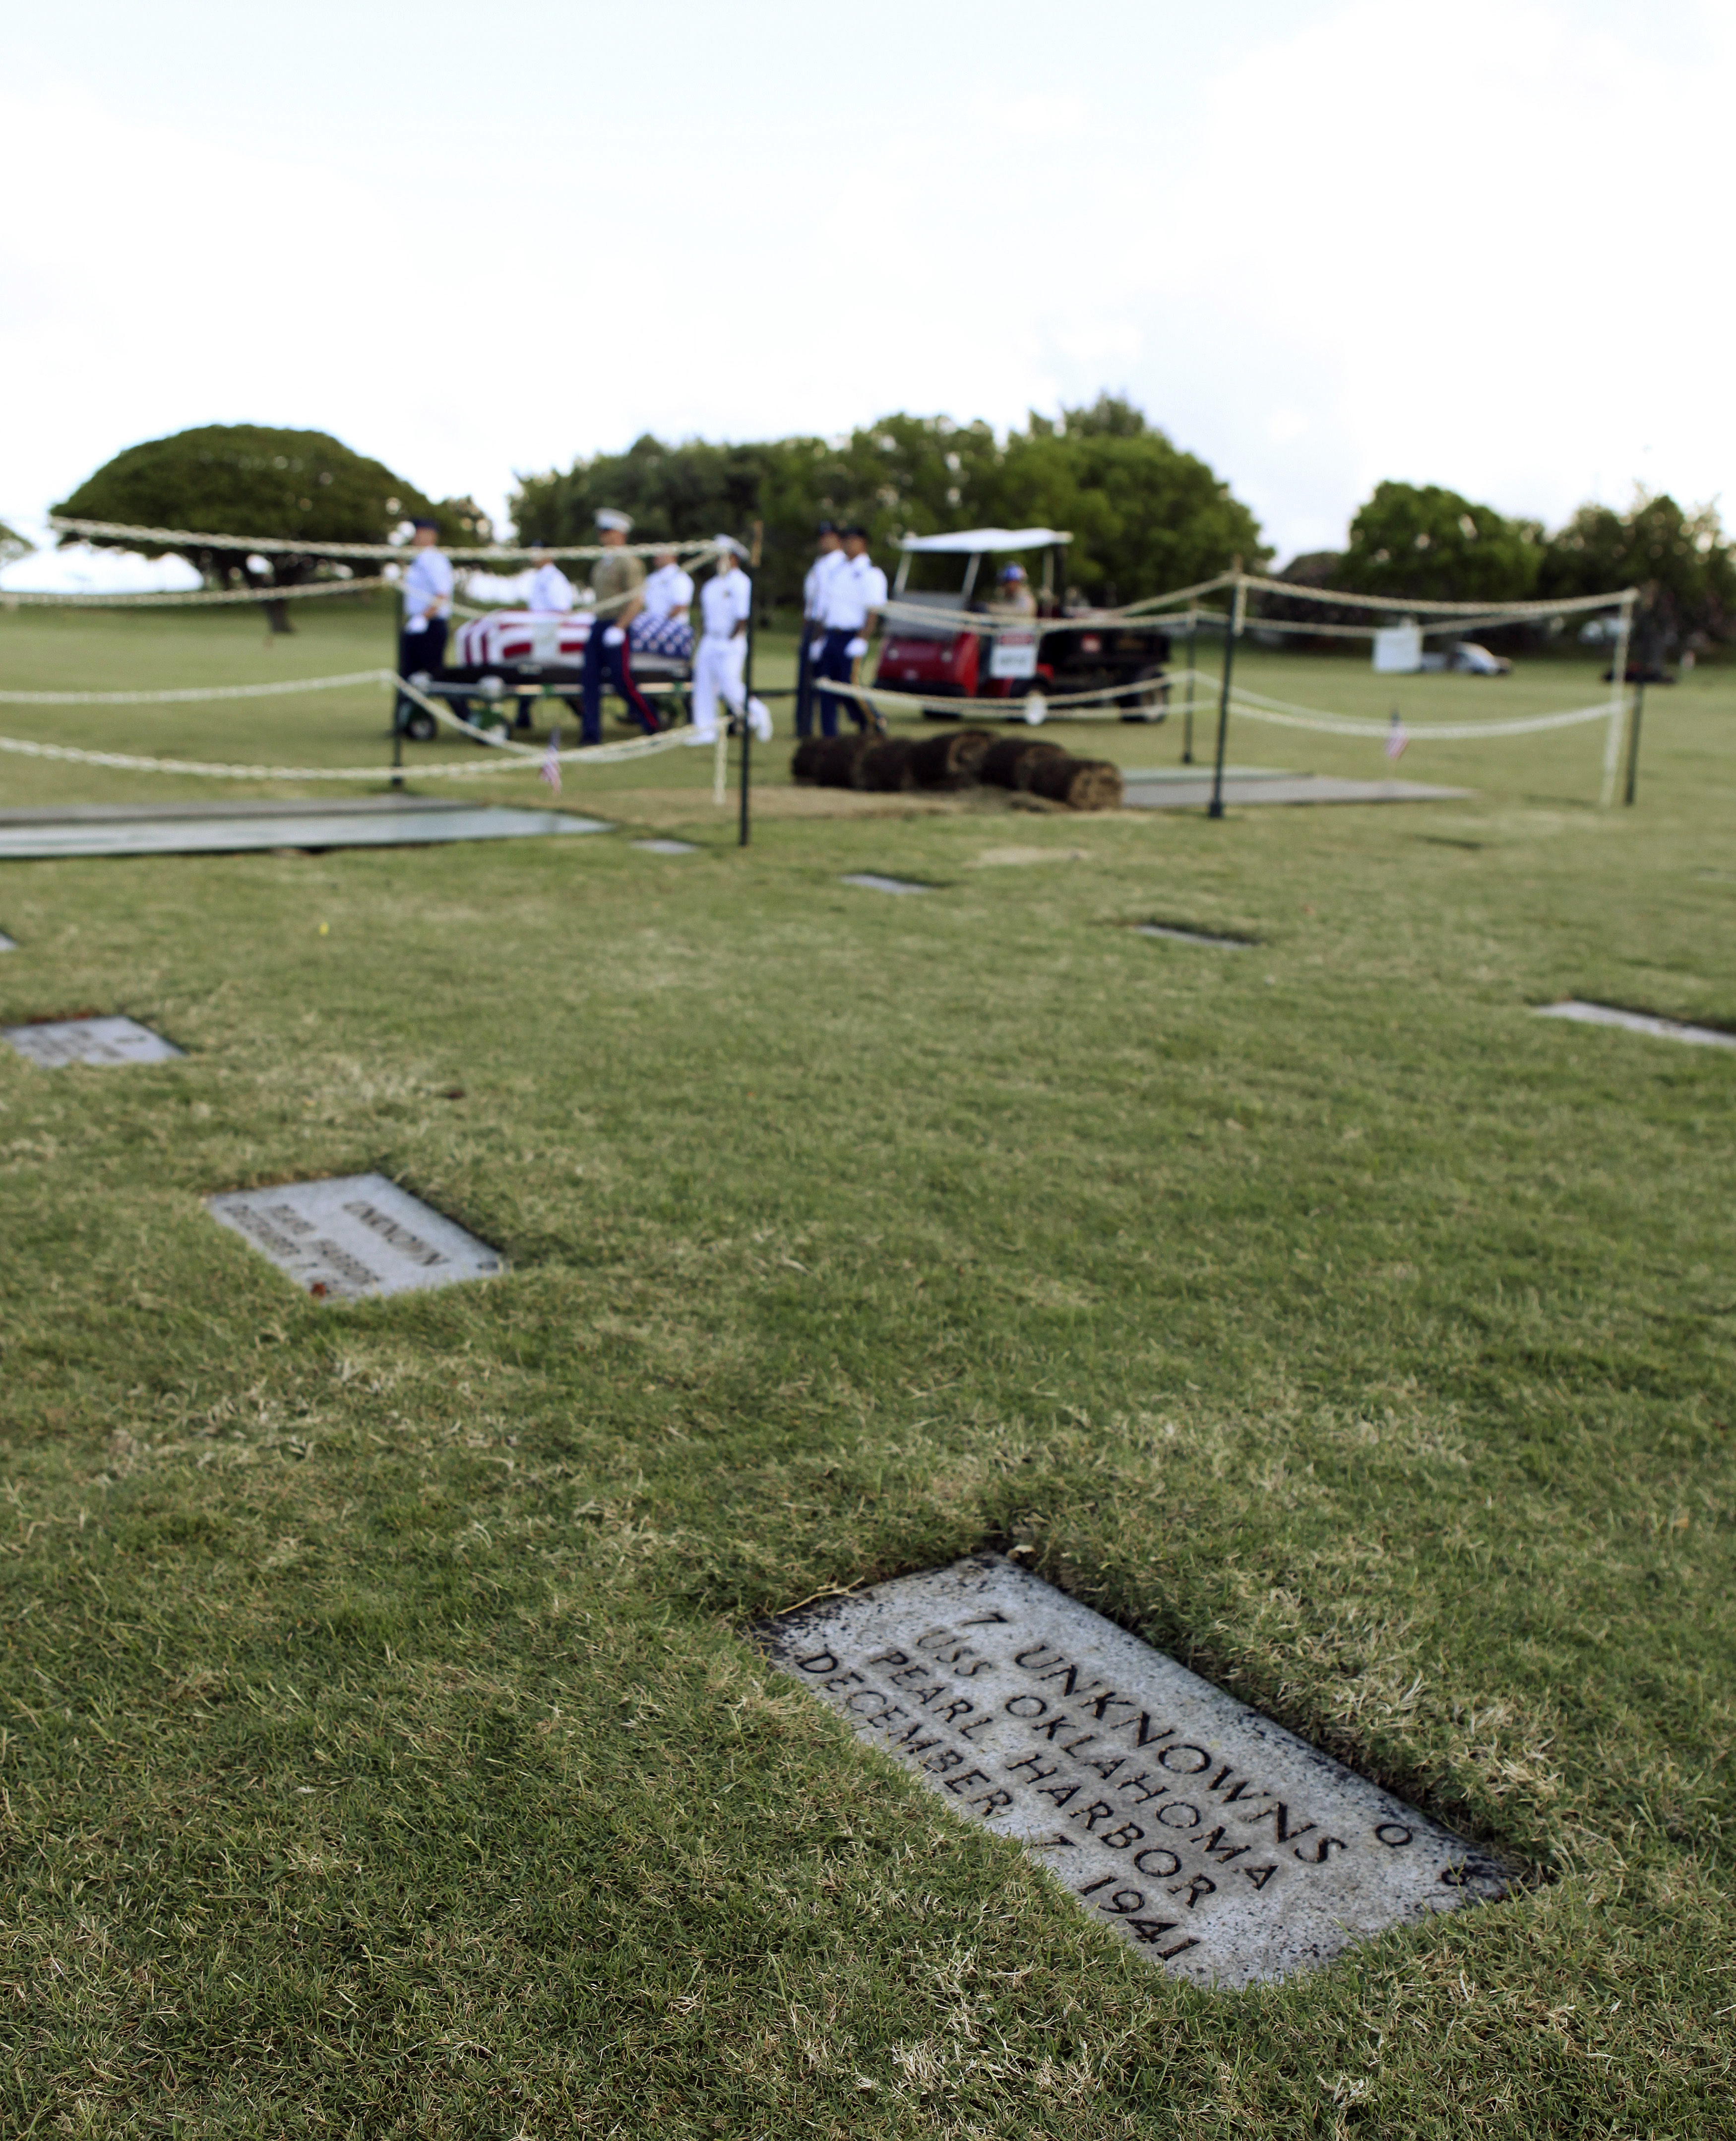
{"points": [[354, 1235], [8, 944], [1640, 1021], [873, 881], [59, 1042], [1219, 1844], [663, 847], [1177, 935]]}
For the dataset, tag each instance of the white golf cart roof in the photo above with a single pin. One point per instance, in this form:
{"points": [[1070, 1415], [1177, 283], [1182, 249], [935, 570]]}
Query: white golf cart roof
{"points": [[969, 542]]}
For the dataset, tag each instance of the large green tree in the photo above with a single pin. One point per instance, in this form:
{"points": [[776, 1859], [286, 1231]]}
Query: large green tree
{"points": [[1679, 560], [1145, 516], [252, 479], [1422, 540]]}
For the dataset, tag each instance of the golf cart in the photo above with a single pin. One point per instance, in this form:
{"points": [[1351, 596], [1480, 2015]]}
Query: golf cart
{"points": [[1052, 652]]}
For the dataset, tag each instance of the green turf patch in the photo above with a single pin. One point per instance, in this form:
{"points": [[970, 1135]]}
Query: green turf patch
{"points": [[383, 1751]]}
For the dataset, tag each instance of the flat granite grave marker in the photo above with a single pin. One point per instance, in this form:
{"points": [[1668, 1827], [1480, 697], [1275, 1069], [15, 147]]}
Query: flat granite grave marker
{"points": [[354, 1235], [1177, 935], [872, 881], [1220, 1845], [8, 944], [665, 847], [1639, 1022], [57, 1042]]}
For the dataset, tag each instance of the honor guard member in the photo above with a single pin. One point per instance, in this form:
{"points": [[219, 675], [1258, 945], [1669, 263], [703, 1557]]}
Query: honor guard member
{"points": [[427, 611], [550, 589], [725, 602], [617, 581], [669, 591], [828, 558], [853, 595]]}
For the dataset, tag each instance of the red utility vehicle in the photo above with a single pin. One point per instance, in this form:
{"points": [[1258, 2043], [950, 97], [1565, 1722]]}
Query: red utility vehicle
{"points": [[1053, 652]]}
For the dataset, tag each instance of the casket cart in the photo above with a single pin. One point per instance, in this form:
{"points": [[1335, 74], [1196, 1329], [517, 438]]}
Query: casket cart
{"points": [[502, 664], [1008, 656]]}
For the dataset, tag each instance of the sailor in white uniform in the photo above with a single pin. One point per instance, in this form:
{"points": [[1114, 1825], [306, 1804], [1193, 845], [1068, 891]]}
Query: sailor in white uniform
{"points": [[725, 602], [550, 589], [427, 613], [669, 591], [830, 559]]}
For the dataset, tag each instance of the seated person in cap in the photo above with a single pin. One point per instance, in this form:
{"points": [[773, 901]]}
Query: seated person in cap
{"points": [[550, 589], [661, 625], [617, 582], [1012, 596]]}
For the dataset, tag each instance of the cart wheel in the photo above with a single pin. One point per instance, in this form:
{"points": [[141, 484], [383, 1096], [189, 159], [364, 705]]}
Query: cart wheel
{"points": [[421, 726], [1153, 704]]}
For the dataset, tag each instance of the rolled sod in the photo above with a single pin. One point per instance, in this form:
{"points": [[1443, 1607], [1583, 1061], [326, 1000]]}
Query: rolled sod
{"points": [[949, 761], [1008, 759], [1082, 784]]}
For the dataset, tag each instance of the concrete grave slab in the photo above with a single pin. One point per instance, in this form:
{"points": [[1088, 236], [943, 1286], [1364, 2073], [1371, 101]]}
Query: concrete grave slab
{"points": [[1637, 1022], [187, 828], [1219, 1845], [665, 847], [1172, 792], [104, 1041], [872, 881], [354, 1235], [1178, 936]]}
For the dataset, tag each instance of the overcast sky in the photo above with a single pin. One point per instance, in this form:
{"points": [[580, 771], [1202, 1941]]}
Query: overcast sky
{"points": [[1477, 244]]}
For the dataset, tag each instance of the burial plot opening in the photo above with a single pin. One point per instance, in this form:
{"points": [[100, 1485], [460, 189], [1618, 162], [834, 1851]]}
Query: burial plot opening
{"points": [[103, 1043], [1220, 1845], [353, 1235]]}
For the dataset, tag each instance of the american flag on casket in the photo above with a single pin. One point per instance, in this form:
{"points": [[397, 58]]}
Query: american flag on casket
{"points": [[522, 635], [543, 636]]}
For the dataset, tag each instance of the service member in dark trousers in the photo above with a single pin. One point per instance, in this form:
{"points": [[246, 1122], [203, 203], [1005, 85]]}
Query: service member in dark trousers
{"points": [[830, 559], [855, 594], [427, 613], [618, 580]]}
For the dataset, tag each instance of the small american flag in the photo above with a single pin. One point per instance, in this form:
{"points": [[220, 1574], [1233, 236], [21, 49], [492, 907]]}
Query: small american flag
{"points": [[1396, 738], [550, 769]]}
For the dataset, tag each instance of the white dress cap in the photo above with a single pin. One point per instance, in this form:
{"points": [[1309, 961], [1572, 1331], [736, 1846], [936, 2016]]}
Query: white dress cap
{"points": [[607, 517]]}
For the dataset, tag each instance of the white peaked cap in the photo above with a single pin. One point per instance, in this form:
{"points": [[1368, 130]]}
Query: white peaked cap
{"points": [[607, 517], [730, 546]]}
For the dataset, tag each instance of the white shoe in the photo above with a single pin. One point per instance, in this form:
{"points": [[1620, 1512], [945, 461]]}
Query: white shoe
{"points": [[758, 719], [702, 735]]}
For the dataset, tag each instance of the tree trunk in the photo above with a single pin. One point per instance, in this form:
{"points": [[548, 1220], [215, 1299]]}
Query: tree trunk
{"points": [[277, 615]]}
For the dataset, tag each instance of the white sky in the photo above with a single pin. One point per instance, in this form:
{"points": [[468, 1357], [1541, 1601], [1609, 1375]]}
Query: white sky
{"points": [[1478, 243]]}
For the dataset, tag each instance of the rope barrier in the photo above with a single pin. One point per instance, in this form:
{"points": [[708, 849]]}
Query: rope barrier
{"points": [[187, 695], [311, 547], [190, 597]]}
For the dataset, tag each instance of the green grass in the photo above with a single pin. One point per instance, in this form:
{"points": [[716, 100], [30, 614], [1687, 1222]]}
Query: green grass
{"points": [[381, 1752]]}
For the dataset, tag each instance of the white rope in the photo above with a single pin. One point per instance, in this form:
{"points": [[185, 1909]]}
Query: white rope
{"points": [[1257, 708], [1005, 710], [196, 692], [190, 597], [310, 546]]}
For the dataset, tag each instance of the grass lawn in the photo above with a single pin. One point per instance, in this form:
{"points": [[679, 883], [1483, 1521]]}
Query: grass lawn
{"points": [[380, 1751]]}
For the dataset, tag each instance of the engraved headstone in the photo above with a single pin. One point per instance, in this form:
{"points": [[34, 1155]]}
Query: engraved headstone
{"points": [[661, 846], [1177, 935], [57, 1042], [1639, 1022], [873, 881], [353, 1235], [1220, 1845]]}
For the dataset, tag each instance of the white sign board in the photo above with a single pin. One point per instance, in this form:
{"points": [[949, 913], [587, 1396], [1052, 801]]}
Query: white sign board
{"points": [[1214, 1841], [353, 1235], [1013, 654], [1399, 649], [105, 1042]]}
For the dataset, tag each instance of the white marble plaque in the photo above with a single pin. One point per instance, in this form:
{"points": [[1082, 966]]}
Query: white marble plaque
{"points": [[353, 1235], [873, 881], [1221, 1846], [661, 846], [1640, 1021], [59, 1042]]}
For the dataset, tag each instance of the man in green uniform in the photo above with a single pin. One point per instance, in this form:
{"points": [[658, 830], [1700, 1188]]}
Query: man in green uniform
{"points": [[617, 579]]}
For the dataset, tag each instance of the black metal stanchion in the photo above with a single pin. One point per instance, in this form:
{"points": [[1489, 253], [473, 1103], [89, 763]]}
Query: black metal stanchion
{"points": [[1215, 808], [1633, 737], [1188, 724], [747, 683], [392, 609]]}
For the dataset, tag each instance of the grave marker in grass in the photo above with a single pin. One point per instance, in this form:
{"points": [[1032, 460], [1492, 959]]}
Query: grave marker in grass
{"points": [[662, 847], [873, 881], [54, 1043], [1218, 1844], [1177, 935], [351, 1236], [1638, 1021], [8, 944]]}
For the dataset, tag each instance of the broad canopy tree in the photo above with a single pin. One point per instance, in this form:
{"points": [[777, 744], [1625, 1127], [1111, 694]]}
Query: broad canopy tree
{"points": [[1145, 516], [252, 479]]}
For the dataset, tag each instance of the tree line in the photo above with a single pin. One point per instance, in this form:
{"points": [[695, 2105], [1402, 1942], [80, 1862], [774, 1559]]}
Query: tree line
{"points": [[1144, 515]]}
